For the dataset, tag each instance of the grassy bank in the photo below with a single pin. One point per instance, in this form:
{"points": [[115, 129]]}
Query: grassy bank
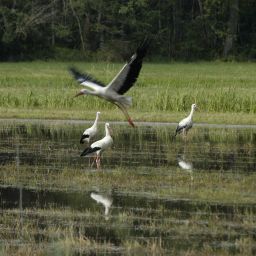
{"points": [[225, 92]]}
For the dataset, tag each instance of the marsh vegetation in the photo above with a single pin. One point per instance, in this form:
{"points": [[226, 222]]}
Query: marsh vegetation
{"points": [[155, 206]]}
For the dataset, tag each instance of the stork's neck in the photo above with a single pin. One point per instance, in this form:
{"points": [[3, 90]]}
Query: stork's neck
{"points": [[107, 131], [191, 113], [90, 92], [96, 120], [91, 86]]}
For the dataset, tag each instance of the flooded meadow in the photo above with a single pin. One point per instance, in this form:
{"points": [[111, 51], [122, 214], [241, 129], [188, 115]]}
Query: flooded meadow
{"points": [[153, 194]]}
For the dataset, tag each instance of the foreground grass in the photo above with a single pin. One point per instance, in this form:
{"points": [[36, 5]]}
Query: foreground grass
{"points": [[225, 92], [64, 231], [147, 229]]}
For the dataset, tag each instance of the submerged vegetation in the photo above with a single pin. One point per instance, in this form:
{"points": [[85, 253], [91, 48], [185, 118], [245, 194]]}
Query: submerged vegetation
{"points": [[224, 92]]}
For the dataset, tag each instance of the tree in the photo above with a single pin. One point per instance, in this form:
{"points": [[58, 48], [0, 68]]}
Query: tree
{"points": [[232, 27]]}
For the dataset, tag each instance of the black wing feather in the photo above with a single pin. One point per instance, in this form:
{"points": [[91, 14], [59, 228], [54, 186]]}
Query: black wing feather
{"points": [[82, 77], [89, 151], [84, 136], [135, 67], [179, 129]]}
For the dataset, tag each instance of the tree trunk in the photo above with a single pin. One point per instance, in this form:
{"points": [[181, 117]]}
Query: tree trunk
{"points": [[79, 26], [203, 21], [100, 30], [53, 23], [232, 27], [176, 19]]}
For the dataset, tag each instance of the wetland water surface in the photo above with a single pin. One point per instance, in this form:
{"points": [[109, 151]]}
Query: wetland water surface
{"points": [[153, 194]]}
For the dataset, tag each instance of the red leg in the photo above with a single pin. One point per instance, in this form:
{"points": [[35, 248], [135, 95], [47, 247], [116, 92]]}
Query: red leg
{"points": [[126, 114], [98, 162], [131, 122], [94, 159]]}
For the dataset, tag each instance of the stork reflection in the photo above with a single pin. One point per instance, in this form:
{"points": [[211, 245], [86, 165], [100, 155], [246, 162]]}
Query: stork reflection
{"points": [[186, 165], [105, 200]]}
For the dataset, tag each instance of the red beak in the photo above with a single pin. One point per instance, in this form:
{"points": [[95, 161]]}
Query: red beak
{"points": [[78, 94]]}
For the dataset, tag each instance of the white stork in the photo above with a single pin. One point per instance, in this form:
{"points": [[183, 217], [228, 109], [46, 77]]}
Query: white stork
{"points": [[98, 146], [121, 83], [89, 133], [106, 201], [186, 123]]}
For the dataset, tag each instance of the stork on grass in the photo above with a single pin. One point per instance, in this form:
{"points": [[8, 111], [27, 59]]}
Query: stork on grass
{"points": [[120, 84]]}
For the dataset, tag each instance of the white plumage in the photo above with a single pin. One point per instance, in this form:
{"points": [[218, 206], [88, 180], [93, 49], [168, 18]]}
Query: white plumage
{"points": [[98, 146], [89, 133], [121, 83], [186, 123]]}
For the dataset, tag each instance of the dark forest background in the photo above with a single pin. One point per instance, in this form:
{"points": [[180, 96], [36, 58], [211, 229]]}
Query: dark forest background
{"points": [[111, 29]]}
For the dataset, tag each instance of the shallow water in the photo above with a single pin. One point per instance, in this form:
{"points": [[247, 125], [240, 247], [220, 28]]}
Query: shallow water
{"points": [[55, 146], [174, 224]]}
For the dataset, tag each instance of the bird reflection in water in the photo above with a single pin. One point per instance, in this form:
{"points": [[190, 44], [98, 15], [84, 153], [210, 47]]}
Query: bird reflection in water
{"points": [[105, 200], [185, 165]]}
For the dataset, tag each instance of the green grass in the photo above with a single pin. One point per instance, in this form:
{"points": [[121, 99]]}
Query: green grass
{"points": [[224, 92]]}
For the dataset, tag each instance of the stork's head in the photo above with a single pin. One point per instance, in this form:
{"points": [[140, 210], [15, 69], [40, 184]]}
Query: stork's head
{"points": [[107, 127], [194, 106], [98, 113]]}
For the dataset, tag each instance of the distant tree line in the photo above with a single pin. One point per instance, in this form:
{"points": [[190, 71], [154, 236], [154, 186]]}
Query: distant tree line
{"points": [[109, 29]]}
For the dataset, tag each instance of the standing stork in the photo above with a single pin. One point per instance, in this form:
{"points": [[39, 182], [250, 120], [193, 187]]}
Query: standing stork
{"points": [[120, 84], [98, 146], [186, 123], [89, 133]]}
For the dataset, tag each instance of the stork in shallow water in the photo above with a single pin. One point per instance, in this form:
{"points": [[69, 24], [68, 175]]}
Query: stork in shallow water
{"points": [[89, 133], [120, 84], [98, 146], [186, 123]]}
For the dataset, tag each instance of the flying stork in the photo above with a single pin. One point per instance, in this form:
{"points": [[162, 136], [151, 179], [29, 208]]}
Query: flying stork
{"points": [[120, 84]]}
